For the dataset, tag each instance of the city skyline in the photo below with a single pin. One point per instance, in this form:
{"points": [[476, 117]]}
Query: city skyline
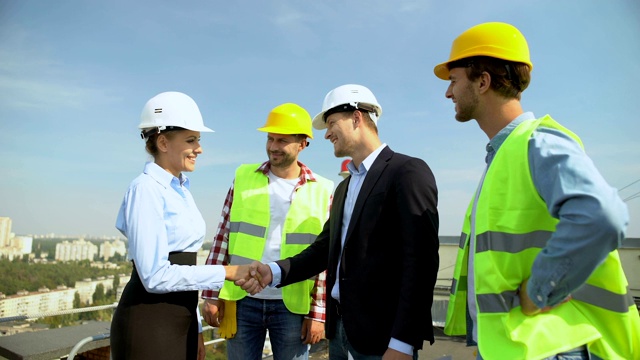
{"points": [[75, 76]]}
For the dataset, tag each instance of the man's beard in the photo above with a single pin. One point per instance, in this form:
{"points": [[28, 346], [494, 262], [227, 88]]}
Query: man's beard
{"points": [[284, 161]]}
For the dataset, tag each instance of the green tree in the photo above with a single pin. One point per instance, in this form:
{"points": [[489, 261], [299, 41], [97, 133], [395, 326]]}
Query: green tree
{"points": [[98, 294], [77, 303]]}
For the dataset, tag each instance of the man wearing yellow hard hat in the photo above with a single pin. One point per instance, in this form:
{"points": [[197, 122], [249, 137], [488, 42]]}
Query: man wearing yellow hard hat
{"points": [[537, 272], [273, 210]]}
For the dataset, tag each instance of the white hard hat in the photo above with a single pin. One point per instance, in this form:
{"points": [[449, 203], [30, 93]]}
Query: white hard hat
{"points": [[171, 109], [346, 98]]}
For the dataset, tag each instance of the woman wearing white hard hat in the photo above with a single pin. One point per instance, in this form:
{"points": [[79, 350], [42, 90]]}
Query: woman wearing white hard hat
{"points": [[157, 316]]}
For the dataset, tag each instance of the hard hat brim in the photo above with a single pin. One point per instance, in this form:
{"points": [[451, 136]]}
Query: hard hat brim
{"points": [[442, 70], [318, 121], [203, 129], [279, 130], [200, 129]]}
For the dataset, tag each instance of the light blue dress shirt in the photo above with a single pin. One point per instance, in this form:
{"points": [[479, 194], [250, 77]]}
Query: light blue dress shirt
{"points": [[158, 216], [355, 184], [592, 216]]}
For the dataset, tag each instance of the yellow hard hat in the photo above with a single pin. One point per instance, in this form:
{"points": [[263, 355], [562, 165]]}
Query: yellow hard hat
{"points": [[493, 39], [288, 118]]}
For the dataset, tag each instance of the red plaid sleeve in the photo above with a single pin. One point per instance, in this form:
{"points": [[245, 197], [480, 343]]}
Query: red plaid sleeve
{"points": [[219, 253], [318, 298], [319, 293]]}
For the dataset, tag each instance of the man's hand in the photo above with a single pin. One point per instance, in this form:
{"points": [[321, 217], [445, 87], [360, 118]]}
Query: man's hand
{"points": [[312, 331], [213, 312], [529, 308], [391, 354], [240, 272], [202, 351], [260, 277]]}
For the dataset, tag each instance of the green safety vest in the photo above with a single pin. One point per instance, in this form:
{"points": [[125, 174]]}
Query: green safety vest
{"points": [[249, 221], [511, 226]]}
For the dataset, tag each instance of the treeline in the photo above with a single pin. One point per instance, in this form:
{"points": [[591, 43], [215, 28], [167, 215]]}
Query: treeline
{"points": [[19, 275]]}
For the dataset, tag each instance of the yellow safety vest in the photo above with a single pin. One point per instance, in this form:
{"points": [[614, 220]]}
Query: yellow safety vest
{"points": [[511, 226], [249, 221]]}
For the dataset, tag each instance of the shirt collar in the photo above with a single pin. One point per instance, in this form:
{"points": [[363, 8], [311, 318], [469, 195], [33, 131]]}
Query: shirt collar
{"points": [[367, 162], [305, 173], [495, 143], [163, 177]]}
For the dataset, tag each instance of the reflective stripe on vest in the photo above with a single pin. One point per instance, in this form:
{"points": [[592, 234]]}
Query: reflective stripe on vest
{"points": [[249, 220], [512, 225], [261, 231]]}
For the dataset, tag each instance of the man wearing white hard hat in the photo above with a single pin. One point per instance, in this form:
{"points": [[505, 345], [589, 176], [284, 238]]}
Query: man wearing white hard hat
{"points": [[380, 245], [157, 315]]}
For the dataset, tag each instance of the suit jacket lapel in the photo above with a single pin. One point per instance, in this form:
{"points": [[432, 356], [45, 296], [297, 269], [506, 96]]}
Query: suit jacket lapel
{"points": [[337, 212]]}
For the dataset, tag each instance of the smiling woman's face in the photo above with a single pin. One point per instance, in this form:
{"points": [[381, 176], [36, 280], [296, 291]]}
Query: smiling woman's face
{"points": [[178, 151]]}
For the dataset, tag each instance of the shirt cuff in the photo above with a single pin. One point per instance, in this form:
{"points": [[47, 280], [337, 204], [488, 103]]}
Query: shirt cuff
{"points": [[276, 274], [398, 345]]}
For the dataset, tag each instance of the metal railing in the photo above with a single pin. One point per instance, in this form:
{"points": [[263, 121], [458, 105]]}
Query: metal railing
{"points": [[57, 313], [76, 349]]}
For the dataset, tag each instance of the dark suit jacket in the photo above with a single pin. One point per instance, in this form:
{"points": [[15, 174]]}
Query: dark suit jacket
{"points": [[390, 258]]}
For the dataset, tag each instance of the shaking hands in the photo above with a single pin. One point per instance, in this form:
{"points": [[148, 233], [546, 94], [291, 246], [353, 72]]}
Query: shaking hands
{"points": [[252, 278]]}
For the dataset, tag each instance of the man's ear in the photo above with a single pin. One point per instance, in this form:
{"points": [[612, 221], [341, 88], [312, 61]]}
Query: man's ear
{"points": [[484, 82], [357, 118]]}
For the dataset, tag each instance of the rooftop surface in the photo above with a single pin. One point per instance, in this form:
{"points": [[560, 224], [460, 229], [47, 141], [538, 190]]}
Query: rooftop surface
{"points": [[444, 348]]}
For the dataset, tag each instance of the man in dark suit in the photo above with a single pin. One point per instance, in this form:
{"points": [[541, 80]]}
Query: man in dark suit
{"points": [[380, 244]]}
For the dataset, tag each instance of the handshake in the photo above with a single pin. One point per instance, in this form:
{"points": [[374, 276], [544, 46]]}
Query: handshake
{"points": [[252, 278]]}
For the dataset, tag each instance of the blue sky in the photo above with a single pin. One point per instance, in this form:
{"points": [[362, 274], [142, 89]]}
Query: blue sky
{"points": [[74, 76]]}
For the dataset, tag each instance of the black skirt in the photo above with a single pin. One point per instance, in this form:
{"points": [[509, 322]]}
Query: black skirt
{"points": [[156, 326]]}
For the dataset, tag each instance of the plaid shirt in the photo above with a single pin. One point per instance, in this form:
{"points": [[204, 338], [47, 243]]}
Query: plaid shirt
{"points": [[219, 253]]}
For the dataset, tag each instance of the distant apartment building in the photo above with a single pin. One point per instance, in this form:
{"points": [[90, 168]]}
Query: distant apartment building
{"points": [[202, 255], [108, 249], [26, 303], [44, 301], [76, 251], [11, 246], [124, 279], [10, 253], [87, 287], [5, 231]]}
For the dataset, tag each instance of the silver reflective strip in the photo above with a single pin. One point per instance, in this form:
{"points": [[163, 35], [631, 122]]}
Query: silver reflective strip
{"points": [[461, 283], [239, 260], [511, 243], [300, 239], [249, 229], [604, 298], [593, 295], [498, 303], [463, 238]]}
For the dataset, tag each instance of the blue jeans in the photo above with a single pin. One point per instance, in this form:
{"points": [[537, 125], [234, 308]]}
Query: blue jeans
{"points": [[580, 353], [254, 318], [339, 345]]}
